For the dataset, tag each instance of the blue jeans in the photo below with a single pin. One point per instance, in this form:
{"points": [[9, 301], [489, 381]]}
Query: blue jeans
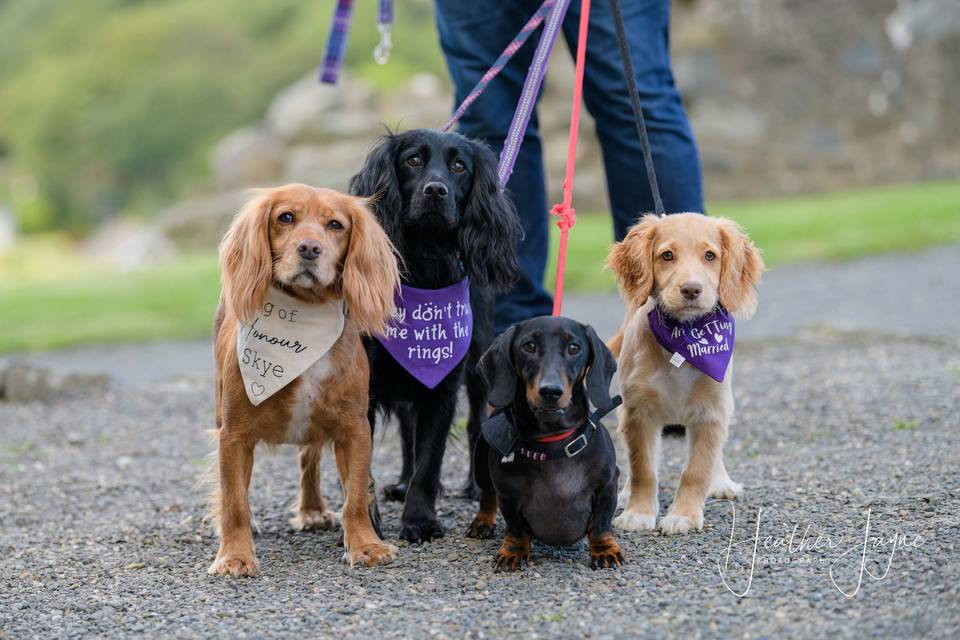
{"points": [[472, 35]]}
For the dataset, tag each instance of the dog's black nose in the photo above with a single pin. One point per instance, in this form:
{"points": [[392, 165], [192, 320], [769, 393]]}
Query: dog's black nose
{"points": [[435, 190], [309, 249], [551, 392], [691, 290]]}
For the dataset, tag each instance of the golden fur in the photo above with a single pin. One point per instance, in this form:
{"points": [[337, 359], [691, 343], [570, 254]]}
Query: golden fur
{"points": [[658, 258], [327, 404]]}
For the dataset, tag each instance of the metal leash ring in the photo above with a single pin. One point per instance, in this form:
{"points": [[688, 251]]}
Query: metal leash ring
{"points": [[381, 54]]}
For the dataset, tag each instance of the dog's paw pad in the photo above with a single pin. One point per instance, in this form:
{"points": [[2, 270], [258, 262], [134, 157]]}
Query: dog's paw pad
{"points": [[235, 566], [481, 529], [633, 521], [421, 531], [310, 520], [395, 492], [726, 490], [370, 555], [671, 524]]}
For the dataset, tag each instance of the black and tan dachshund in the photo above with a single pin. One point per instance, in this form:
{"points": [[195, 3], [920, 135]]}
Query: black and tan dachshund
{"points": [[438, 198], [543, 457]]}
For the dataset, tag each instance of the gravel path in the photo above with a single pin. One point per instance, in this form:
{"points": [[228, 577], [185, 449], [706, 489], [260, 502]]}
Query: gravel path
{"points": [[101, 527]]}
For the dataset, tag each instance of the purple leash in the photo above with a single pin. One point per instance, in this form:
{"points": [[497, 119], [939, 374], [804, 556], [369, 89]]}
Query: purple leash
{"points": [[556, 9], [340, 29], [535, 21]]}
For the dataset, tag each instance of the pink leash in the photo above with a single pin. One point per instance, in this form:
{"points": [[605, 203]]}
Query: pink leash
{"points": [[566, 214]]}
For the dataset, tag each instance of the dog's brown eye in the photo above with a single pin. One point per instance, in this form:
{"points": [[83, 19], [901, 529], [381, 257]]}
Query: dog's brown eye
{"points": [[710, 256], [573, 348], [415, 161], [666, 256], [335, 225], [458, 166], [529, 346], [285, 218]]}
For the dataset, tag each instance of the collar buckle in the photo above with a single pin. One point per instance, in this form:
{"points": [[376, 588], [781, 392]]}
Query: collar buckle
{"points": [[581, 439]]}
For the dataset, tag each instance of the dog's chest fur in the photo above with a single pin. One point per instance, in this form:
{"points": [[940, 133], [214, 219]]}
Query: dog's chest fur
{"points": [[309, 387]]}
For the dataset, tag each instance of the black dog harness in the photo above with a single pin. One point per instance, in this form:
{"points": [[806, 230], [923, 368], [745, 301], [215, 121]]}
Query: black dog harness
{"points": [[501, 434]]}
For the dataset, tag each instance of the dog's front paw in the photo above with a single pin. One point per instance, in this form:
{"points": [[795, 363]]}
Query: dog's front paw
{"points": [[675, 523], [481, 528], [313, 519], [370, 554], [418, 531], [513, 554], [395, 492], [511, 560], [725, 488], [605, 553], [235, 565], [634, 521]]}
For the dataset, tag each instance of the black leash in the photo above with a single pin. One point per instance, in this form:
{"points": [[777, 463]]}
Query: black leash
{"points": [[635, 103]]}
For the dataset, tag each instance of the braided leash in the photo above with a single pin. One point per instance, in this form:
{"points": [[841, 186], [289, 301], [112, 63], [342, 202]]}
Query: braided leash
{"points": [[566, 214], [515, 45], [531, 88]]}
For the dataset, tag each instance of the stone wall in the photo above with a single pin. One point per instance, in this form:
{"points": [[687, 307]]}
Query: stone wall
{"points": [[785, 97]]}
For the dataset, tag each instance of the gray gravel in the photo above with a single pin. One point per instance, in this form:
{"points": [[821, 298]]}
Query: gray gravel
{"points": [[101, 527]]}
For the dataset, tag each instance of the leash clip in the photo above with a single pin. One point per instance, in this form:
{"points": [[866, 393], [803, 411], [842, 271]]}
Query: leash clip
{"points": [[381, 54], [582, 438]]}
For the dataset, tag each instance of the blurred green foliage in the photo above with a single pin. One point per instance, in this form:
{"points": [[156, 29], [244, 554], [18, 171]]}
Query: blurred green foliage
{"points": [[112, 105]]}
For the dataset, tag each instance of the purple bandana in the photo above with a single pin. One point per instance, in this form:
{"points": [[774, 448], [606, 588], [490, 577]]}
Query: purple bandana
{"points": [[706, 343], [429, 333]]}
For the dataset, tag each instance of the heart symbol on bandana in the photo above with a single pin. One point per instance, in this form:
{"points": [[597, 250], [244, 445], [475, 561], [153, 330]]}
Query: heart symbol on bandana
{"points": [[703, 341], [257, 388], [718, 337]]}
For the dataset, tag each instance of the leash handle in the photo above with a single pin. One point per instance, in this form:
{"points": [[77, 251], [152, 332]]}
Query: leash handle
{"points": [[635, 105], [565, 212], [508, 52]]}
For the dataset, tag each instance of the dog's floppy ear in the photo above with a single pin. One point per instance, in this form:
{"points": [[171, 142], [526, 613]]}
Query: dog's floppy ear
{"points": [[740, 269], [496, 368], [602, 367], [490, 228], [631, 261], [370, 275], [378, 181], [246, 262]]}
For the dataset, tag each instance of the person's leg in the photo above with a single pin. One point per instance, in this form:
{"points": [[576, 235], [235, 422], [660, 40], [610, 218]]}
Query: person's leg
{"points": [[675, 156], [472, 35]]}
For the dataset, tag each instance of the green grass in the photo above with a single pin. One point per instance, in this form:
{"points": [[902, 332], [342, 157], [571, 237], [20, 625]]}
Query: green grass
{"points": [[76, 301], [905, 425], [826, 227], [50, 296]]}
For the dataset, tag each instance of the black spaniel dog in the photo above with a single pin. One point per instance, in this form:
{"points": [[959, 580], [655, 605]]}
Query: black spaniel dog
{"points": [[438, 198]]}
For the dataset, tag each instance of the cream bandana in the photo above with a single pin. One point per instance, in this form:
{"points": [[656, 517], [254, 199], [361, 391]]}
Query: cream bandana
{"points": [[285, 338]]}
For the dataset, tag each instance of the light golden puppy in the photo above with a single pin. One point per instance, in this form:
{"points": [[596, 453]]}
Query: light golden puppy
{"points": [[682, 268]]}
